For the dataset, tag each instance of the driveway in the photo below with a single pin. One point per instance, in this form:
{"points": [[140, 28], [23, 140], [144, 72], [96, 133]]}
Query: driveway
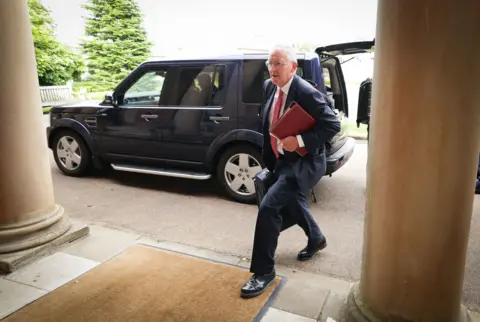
{"points": [[195, 213]]}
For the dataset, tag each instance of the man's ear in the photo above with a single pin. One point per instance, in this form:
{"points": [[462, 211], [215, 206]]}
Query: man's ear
{"points": [[294, 67]]}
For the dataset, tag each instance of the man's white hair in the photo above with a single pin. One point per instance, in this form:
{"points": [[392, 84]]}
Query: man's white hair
{"points": [[289, 51]]}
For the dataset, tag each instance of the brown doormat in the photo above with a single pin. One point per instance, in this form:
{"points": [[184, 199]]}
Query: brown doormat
{"points": [[149, 284]]}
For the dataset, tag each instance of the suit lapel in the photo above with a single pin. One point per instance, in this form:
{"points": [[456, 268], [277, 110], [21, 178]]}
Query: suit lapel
{"points": [[291, 92], [268, 106]]}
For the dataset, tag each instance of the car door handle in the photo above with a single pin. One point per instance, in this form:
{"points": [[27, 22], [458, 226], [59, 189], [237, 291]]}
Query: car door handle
{"points": [[147, 117], [219, 118]]}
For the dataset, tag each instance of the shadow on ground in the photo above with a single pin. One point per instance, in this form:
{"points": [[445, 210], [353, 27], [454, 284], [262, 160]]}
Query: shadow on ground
{"points": [[197, 188]]}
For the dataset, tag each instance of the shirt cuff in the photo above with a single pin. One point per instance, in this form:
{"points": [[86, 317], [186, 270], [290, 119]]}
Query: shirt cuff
{"points": [[300, 141]]}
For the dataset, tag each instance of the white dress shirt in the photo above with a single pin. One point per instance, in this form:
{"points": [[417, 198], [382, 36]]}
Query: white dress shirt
{"points": [[285, 90]]}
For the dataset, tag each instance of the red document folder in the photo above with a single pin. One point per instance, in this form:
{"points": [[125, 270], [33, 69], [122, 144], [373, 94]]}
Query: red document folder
{"points": [[294, 121]]}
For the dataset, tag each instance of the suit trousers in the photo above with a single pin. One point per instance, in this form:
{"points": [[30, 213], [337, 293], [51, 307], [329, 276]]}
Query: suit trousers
{"points": [[283, 206]]}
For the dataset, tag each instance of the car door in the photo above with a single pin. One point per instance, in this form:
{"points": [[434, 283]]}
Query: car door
{"points": [[200, 107], [127, 131], [332, 67]]}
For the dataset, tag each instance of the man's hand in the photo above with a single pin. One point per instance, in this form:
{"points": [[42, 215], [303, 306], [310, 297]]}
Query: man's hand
{"points": [[290, 143]]}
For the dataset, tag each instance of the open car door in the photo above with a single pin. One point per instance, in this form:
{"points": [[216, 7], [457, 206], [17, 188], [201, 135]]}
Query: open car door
{"points": [[330, 61], [348, 48]]}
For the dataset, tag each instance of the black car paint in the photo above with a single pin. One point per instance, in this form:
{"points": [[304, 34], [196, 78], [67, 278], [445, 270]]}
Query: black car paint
{"points": [[73, 119], [116, 134]]}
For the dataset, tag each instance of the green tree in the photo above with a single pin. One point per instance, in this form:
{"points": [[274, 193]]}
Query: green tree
{"points": [[56, 63], [116, 41]]}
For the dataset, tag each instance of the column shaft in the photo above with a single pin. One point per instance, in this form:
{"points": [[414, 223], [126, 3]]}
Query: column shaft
{"points": [[423, 154], [26, 192]]}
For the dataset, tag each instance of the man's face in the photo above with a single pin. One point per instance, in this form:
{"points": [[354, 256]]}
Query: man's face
{"points": [[280, 68]]}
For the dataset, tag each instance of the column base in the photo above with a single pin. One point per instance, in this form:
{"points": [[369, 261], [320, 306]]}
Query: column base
{"points": [[354, 310], [51, 225], [23, 244]]}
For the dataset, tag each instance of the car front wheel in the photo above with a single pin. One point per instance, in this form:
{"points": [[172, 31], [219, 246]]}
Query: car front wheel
{"points": [[71, 154], [236, 170]]}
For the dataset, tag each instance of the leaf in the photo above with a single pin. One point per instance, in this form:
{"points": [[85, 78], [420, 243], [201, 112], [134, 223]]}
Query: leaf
{"points": [[116, 41], [56, 63]]}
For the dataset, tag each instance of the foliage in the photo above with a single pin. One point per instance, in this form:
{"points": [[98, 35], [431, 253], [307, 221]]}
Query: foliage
{"points": [[116, 41], [350, 127], [56, 63]]}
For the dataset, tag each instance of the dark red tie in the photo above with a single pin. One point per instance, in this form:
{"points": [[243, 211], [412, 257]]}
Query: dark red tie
{"points": [[276, 115]]}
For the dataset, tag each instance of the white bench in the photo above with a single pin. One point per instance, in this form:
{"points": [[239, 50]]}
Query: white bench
{"points": [[56, 95]]}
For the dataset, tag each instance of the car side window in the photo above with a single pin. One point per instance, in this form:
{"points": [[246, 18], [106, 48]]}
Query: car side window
{"points": [[146, 90], [199, 86], [255, 73], [300, 71], [326, 76]]}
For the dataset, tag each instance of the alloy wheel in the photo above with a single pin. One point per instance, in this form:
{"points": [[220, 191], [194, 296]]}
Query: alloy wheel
{"points": [[69, 153], [239, 172]]}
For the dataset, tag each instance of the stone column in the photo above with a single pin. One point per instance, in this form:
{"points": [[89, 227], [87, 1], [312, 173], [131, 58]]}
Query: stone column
{"points": [[423, 155], [28, 214]]}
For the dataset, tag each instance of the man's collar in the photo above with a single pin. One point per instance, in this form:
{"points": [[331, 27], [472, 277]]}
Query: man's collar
{"points": [[286, 88]]}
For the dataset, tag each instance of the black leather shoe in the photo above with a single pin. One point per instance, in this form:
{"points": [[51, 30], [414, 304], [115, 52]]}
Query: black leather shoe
{"points": [[311, 249], [257, 285]]}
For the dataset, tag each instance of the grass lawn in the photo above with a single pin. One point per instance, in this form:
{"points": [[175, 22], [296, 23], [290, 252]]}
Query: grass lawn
{"points": [[96, 95], [350, 126], [46, 109]]}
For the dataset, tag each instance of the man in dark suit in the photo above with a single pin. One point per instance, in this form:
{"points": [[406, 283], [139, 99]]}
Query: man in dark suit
{"points": [[285, 204]]}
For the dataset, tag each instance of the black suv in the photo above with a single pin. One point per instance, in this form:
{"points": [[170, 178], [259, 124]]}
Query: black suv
{"points": [[194, 118]]}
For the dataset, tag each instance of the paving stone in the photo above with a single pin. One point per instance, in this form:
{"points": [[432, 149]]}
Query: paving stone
{"points": [[244, 263], [329, 283], [191, 250], [14, 261], [52, 271], [275, 315], [332, 306], [102, 244], [13, 296], [325, 282], [302, 296], [304, 293]]}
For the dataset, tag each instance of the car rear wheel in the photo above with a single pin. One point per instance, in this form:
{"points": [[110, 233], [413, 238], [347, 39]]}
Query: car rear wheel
{"points": [[71, 154], [236, 170]]}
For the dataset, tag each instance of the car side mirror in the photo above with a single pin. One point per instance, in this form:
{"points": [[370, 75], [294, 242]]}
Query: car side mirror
{"points": [[108, 100]]}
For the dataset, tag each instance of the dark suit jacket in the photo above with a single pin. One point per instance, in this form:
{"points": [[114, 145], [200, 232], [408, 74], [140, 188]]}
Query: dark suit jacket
{"points": [[309, 169]]}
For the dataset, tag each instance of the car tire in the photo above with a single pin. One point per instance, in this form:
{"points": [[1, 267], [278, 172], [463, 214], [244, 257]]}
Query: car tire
{"points": [[235, 172], [71, 154]]}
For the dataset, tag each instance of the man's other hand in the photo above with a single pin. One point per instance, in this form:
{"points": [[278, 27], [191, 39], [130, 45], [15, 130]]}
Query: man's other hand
{"points": [[289, 143]]}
